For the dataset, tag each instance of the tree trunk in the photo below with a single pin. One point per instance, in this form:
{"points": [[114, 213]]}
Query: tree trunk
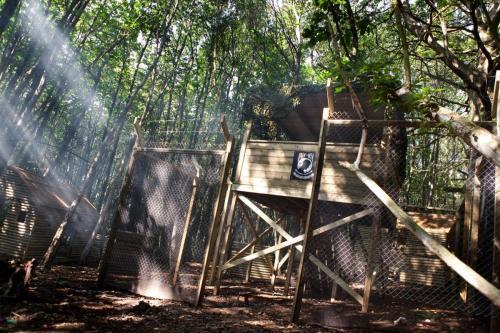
{"points": [[6, 13]]}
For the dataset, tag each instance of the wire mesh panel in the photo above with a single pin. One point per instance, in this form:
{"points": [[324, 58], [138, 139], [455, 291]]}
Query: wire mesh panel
{"points": [[439, 170], [168, 209]]}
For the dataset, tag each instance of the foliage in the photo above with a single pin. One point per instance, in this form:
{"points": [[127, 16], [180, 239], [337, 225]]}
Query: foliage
{"points": [[74, 72]]}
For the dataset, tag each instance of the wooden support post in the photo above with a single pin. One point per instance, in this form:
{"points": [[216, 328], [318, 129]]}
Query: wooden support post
{"points": [[187, 223], [216, 252], [249, 245], [217, 218], [299, 290], [115, 222], [249, 266], [371, 261], [253, 231], [246, 136], [289, 270], [215, 259], [495, 311], [467, 273], [276, 263], [225, 244]]}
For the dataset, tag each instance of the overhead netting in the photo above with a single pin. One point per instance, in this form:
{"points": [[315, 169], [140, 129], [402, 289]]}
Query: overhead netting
{"points": [[168, 208]]}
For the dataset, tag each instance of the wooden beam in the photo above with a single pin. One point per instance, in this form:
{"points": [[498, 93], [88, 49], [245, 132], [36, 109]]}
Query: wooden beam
{"points": [[263, 215], [249, 245], [358, 298], [283, 260], [289, 269], [187, 223], [496, 102], [249, 266], [253, 231], [276, 262], [290, 241], [467, 273], [334, 292], [225, 243], [217, 218], [299, 291], [243, 148], [182, 151], [398, 123], [495, 311], [295, 240], [216, 251], [370, 264]]}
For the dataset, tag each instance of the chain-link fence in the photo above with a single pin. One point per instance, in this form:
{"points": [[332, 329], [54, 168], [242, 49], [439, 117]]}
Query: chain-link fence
{"points": [[443, 185], [167, 209], [421, 167]]}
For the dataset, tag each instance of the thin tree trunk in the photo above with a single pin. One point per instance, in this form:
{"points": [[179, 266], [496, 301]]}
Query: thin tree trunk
{"points": [[6, 13]]}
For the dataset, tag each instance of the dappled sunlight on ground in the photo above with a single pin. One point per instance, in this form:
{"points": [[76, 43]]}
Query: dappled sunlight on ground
{"points": [[67, 299]]}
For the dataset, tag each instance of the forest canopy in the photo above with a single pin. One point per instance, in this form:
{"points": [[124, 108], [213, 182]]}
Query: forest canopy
{"points": [[75, 73]]}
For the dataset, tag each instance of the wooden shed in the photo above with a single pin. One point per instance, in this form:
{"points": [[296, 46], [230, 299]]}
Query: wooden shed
{"points": [[32, 208]]}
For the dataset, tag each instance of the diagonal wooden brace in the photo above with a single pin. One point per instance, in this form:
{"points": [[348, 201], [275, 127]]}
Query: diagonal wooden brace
{"points": [[290, 240], [294, 240], [248, 221], [467, 273]]}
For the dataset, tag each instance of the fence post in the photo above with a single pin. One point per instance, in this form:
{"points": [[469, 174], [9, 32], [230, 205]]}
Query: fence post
{"points": [[187, 223], [495, 312], [218, 214], [103, 264], [371, 260], [299, 290]]}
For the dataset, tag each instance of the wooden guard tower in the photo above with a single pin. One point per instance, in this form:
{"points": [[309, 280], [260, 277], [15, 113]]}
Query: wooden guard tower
{"points": [[341, 172], [263, 177]]}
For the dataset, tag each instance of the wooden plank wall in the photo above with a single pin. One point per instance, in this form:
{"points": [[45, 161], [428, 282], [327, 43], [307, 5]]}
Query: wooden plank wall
{"points": [[14, 235], [260, 269], [267, 166], [31, 238]]}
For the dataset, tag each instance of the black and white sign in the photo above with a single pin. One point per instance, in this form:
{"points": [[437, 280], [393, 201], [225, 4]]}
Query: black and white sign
{"points": [[302, 165]]}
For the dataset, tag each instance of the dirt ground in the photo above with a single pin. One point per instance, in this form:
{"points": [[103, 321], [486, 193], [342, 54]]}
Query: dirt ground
{"points": [[67, 299]]}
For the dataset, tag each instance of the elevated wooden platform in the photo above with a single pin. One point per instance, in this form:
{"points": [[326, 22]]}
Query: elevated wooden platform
{"points": [[266, 168]]}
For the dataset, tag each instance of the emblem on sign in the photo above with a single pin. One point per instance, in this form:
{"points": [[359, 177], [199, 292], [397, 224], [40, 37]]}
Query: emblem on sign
{"points": [[302, 165]]}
